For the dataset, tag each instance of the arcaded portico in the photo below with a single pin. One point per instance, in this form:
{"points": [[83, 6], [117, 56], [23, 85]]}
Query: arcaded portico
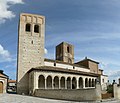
{"points": [[44, 78], [58, 82]]}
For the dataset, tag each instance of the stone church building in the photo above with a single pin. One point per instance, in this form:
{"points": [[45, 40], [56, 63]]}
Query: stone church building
{"points": [[36, 72]]}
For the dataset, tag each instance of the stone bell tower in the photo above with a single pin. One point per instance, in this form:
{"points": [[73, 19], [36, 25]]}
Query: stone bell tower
{"points": [[65, 52], [30, 48]]}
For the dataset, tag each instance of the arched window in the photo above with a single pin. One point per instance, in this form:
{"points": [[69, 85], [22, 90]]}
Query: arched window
{"points": [[36, 28], [68, 49], [27, 28]]}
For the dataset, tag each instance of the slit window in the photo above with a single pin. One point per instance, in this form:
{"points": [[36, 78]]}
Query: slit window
{"points": [[36, 28], [28, 26]]}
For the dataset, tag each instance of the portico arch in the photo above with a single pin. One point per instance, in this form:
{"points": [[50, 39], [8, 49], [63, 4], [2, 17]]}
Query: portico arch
{"points": [[62, 83], [49, 82], [86, 82], [74, 83], [56, 82], [68, 83], [41, 82], [80, 82], [90, 83]]}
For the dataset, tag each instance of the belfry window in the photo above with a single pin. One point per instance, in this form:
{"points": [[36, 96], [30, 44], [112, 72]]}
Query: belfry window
{"points": [[68, 49], [36, 28], [27, 28]]}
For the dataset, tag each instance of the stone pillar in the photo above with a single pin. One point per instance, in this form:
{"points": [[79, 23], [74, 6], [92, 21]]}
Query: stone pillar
{"points": [[83, 82], [52, 83], [71, 83], [65, 83], [77, 83], [35, 81]]}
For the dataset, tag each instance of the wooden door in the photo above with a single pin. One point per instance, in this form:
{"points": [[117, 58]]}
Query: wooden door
{"points": [[1, 87]]}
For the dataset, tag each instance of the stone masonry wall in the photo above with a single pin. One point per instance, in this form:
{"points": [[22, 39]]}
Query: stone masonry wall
{"points": [[74, 95]]}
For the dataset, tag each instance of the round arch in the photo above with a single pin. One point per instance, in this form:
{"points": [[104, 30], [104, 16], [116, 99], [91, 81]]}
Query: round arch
{"points": [[80, 82], [56, 82], [49, 82], [41, 82], [86, 82], [68, 83], [62, 83], [74, 83]]}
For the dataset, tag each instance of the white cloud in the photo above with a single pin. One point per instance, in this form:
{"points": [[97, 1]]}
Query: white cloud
{"points": [[5, 13], [46, 51], [4, 55]]}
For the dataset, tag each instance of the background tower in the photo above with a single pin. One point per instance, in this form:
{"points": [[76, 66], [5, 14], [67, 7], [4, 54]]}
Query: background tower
{"points": [[30, 48], [65, 52]]}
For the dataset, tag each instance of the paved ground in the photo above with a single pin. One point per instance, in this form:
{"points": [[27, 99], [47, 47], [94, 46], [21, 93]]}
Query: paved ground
{"points": [[14, 98]]}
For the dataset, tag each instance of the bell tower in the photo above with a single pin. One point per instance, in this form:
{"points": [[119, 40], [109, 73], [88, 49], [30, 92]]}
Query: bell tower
{"points": [[30, 47], [65, 52]]}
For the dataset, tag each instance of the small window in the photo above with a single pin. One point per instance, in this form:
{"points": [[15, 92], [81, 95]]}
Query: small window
{"points": [[68, 49], [54, 63], [73, 67], [28, 26], [36, 28], [32, 42]]}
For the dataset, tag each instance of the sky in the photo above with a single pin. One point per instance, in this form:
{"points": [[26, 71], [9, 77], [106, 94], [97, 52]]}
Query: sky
{"points": [[92, 26]]}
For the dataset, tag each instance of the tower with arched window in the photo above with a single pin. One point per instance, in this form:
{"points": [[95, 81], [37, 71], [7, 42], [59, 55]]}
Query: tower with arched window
{"points": [[30, 47], [65, 52]]}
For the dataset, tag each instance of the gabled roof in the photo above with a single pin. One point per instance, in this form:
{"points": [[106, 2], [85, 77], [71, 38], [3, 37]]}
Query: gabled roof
{"points": [[87, 59]]}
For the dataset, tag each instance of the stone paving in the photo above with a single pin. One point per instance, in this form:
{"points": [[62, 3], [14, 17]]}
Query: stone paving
{"points": [[14, 98]]}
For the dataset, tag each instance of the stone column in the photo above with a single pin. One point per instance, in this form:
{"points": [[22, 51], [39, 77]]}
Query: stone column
{"points": [[83, 82], [77, 83], [35, 81], [52, 83], [71, 83], [65, 83]]}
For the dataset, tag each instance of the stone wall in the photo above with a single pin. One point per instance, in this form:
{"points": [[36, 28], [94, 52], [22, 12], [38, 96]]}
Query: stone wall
{"points": [[74, 95]]}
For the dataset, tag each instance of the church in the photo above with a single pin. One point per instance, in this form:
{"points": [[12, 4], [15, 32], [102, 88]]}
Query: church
{"points": [[36, 72]]}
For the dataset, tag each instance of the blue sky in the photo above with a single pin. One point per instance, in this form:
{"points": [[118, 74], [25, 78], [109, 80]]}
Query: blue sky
{"points": [[92, 26]]}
